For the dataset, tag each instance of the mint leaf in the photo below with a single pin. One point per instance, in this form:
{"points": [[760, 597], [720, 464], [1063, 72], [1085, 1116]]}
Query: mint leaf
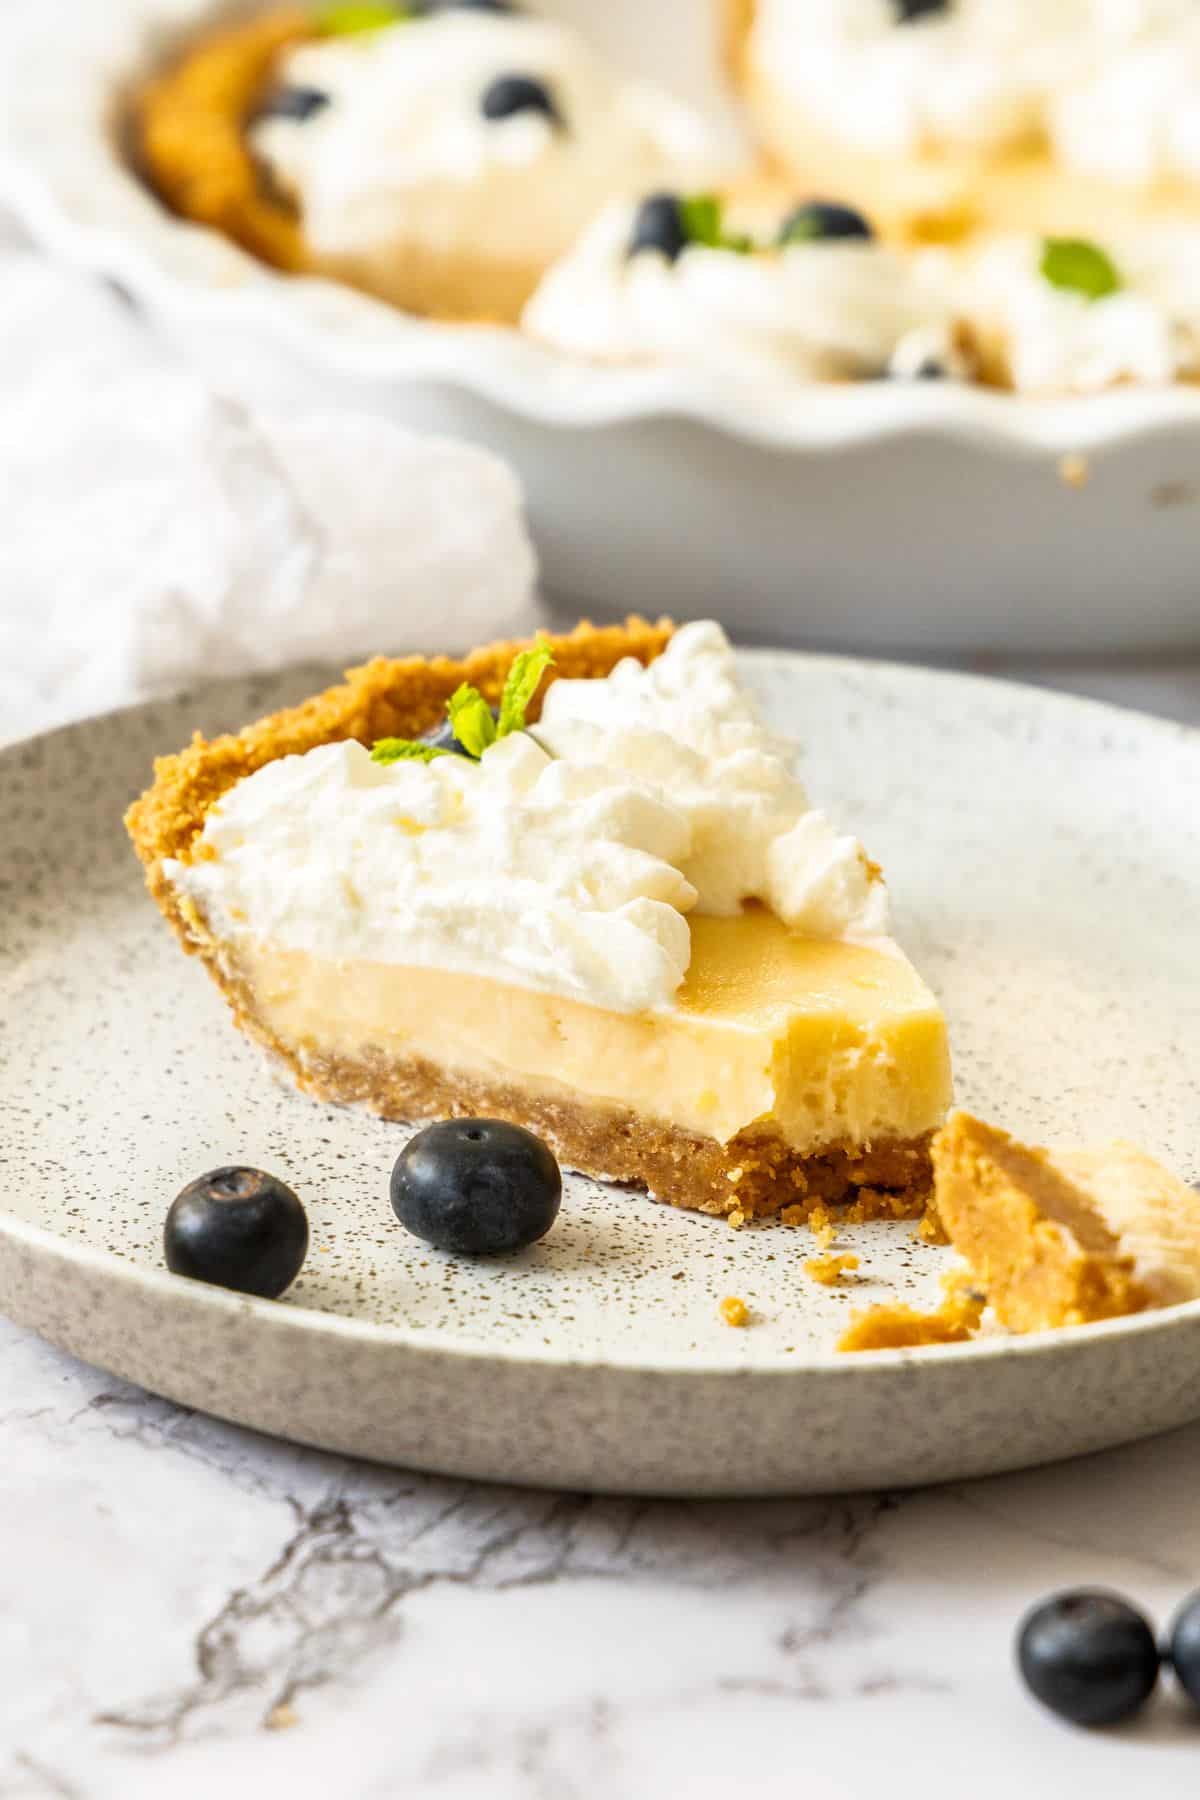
{"points": [[703, 221], [393, 750], [701, 218], [520, 686], [471, 720], [1080, 267], [346, 18]]}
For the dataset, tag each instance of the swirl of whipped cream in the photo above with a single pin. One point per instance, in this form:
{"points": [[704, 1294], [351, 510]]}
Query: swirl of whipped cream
{"points": [[1055, 341], [564, 861], [516, 867], [685, 731], [1112, 85], [820, 310], [402, 150]]}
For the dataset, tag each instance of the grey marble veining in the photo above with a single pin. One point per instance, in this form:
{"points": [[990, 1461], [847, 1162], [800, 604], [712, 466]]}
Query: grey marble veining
{"points": [[186, 1607]]}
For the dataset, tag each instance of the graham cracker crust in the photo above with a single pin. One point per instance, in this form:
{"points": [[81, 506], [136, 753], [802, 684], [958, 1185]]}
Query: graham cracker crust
{"points": [[1041, 1256], [187, 126]]}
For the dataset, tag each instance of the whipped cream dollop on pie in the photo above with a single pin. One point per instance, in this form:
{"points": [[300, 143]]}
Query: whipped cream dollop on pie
{"points": [[481, 135], [816, 309], [1112, 87], [1044, 339], [566, 860], [623, 924]]}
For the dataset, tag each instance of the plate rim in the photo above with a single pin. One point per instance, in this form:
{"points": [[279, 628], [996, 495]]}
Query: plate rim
{"points": [[47, 1245], [68, 180]]}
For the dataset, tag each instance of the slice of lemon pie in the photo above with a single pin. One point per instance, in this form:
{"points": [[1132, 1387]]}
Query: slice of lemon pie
{"points": [[605, 910]]}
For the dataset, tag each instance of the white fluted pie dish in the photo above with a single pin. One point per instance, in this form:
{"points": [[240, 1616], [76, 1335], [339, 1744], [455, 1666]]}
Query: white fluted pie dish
{"points": [[930, 516]]}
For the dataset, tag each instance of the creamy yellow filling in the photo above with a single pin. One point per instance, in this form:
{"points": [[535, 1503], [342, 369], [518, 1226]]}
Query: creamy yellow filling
{"points": [[832, 1042]]}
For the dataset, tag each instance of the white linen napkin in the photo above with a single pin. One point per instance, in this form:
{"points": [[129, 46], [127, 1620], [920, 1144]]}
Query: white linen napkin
{"points": [[154, 533]]}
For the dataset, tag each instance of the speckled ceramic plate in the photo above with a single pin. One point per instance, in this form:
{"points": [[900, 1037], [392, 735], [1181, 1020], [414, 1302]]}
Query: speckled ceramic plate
{"points": [[1044, 855]]}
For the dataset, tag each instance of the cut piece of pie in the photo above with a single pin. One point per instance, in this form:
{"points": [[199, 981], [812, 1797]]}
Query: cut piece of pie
{"points": [[439, 157], [1063, 1237], [619, 922]]}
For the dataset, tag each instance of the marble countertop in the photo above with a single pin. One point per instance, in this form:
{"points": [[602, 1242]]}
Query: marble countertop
{"points": [[188, 1608]]}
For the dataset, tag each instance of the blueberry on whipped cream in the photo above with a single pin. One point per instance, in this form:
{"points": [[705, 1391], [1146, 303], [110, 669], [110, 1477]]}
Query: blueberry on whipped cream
{"points": [[462, 150], [511, 94], [831, 303], [823, 221], [1064, 315], [658, 225]]}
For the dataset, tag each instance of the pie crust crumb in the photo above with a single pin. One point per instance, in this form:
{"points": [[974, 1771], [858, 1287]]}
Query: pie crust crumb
{"points": [[895, 1326], [828, 1270]]}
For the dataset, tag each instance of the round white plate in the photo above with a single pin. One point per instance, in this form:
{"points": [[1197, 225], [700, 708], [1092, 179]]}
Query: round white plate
{"points": [[1044, 855], [926, 515]]}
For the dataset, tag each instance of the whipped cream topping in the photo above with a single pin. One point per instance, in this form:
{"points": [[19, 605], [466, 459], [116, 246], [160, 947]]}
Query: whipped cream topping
{"points": [[1112, 85], [1057, 341], [687, 732], [825, 310], [516, 867], [402, 151], [566, 860]]}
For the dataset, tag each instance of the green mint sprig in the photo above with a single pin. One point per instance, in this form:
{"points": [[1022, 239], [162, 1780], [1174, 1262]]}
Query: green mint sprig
{"points": [[394, 750], [470, 715], [1079, 267], [347, 18], [703, 219], [520, 685], [471, 720]]}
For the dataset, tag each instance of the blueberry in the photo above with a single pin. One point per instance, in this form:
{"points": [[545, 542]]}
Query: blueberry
{"points": [[658, 225], [293, 103], [1089, 1656], [823, 221], [237, 1228], [476, 1187], [1183, 1647], [511, 94], [908, 10]]}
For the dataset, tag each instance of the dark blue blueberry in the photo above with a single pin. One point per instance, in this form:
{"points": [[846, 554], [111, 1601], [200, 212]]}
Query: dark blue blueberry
{"points": [[476, 1187], [1089, 1656], [237, 1228], [823, 221], [908, 10], [510, 94], [1183, 1647], [293, 103], [442, 737], [658, 225]]}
